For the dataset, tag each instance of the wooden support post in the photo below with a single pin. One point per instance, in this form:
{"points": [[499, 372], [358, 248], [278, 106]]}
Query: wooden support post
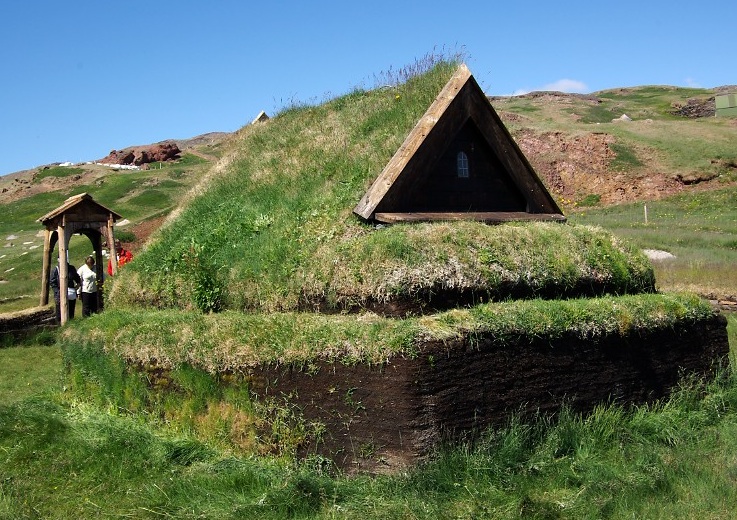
{"points": [[63, 272], [111, 244], [46, 269], [99, 266]]}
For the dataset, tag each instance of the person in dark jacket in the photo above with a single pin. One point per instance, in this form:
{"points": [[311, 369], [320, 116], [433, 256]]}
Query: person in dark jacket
{"points": [[70, 293]]}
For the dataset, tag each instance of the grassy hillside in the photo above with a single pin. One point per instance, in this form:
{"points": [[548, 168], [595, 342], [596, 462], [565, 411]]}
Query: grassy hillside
{"points": [[277, 208], [587, 154], [141, 197]]}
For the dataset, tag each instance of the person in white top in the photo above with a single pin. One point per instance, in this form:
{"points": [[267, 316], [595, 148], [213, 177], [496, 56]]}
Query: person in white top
{"points": [[88, 291]]}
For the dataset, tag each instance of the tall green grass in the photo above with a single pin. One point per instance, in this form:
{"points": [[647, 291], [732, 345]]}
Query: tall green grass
{"points": [[699, 229], [671, 459], [31, 369], [233, 341]]}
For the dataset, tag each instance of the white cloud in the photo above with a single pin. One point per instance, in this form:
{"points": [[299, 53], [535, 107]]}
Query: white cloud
{"points": [[567, 85], [562, 85], [690, 82]]}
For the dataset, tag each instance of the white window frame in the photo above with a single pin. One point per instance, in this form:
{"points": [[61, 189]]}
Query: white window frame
{"points": [[462, 167]]}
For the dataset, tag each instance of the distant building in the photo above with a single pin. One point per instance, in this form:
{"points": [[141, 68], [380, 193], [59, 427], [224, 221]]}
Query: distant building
{"points": [[726, 105], [260, 118]]}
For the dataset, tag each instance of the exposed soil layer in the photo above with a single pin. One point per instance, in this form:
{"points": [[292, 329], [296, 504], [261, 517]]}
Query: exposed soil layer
{"points": [[438, 300], [574, 165], [382, 418], [143, 230]]}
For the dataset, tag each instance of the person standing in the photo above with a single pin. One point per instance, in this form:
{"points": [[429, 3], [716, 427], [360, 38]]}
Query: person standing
{"points": [[69, 292], [122, 257], [88, 291]]}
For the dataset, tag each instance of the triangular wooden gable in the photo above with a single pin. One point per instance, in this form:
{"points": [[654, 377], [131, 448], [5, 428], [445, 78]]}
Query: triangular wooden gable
{"points": [[80, 208], [459, 162]]}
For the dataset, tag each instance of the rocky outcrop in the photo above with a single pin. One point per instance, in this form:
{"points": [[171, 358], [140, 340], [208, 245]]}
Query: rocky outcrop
{"points": [[137, 156], [695, 108]]}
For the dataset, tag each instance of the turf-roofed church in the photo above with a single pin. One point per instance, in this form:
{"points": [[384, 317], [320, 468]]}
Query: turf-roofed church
{"points": [[459, 162], [375, 345]]}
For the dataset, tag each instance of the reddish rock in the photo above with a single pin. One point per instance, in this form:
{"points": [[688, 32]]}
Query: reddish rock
{"points": [[160, 152], [118, 157]]}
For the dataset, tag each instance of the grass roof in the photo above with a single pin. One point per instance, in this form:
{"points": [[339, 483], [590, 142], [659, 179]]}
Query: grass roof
{"points": [[233, 341], [272, 229]]}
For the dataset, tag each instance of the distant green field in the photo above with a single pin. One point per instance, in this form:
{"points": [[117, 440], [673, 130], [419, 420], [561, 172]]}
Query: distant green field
{"points": [[699, 229], [136, 195]]}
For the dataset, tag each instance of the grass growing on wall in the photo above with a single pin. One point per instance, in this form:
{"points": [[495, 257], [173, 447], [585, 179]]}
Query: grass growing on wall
{"points": [[277, 232], [232, 341], [191, 370], [409, 263], [289, 189], [671, 459]]}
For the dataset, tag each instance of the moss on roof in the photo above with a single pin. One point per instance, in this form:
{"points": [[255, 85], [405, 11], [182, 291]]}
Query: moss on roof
{"points": [[232, 341], [272, 229]]}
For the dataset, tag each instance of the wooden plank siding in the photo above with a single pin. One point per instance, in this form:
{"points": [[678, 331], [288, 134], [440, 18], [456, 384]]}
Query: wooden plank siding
{"points": [[488, 217], [406, 153]]}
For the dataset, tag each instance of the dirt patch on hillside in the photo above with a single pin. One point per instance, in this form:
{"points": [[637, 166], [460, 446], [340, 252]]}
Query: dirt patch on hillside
{"points": [[572, 166], [143, 231], [24, 184]]}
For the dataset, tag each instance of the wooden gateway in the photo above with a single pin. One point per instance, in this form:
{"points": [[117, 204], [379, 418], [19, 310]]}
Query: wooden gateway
{"points": [[79, 214], [459, 162]]}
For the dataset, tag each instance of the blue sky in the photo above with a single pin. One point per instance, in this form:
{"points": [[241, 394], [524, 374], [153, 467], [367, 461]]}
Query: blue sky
{"points": [[82, 78]]}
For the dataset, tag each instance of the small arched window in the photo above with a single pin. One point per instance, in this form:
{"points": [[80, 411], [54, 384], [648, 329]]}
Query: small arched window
{"points": [[462, 165]]}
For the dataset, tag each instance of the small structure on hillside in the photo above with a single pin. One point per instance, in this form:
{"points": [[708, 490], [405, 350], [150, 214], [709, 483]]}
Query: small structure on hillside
{"points": [[79, 214], [459, 162], [726, 105], [262, 117]]}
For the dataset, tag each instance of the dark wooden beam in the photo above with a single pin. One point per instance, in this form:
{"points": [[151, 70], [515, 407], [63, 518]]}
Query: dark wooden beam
{"points": [[490, 217]]}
